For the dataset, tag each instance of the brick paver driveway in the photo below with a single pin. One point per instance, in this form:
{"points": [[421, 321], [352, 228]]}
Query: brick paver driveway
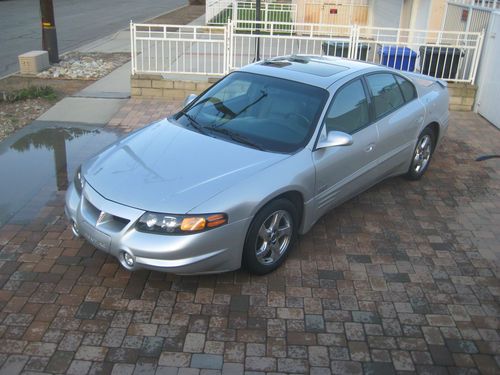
{"points": [[404, 278]]}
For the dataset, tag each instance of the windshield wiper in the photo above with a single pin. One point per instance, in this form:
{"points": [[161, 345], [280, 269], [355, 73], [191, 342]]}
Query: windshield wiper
{"points": [[195, 124], [237, 137]]}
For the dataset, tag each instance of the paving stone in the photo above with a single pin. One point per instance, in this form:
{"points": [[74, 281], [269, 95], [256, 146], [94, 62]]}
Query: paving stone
{"points": [[194, 343], [239, 303], [165, 370], [232, 369], [331, 275], [354, 331], [91, 353], [79, 367], [462, 346], [359, 351], [152, 346], [209, 361], [260, 364], [346, 367], [14, 365], [87, 310], [37, 364], [314, 323], [125, 369], [374, 368], [291, 365], [365, 317], [318, 356], [59, 362], [114, 337], [145, 368], [402, 360], [126, 355], [441, 355]]}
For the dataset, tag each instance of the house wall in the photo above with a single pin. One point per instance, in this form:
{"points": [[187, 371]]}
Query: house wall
{"points": [[420, 14], [436, 17], [385, 13]]}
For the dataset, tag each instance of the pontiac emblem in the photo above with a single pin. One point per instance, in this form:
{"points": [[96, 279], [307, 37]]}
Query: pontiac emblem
{"points": [[103, 218]]}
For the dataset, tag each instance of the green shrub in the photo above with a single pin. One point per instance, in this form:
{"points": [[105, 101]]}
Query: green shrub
{"points": [[31, 92]]}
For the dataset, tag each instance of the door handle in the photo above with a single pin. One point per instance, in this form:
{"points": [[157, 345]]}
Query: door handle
{"points": [[370, 148]]}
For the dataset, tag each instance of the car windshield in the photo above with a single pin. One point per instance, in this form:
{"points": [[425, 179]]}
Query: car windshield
{"points": [[257, 111]]}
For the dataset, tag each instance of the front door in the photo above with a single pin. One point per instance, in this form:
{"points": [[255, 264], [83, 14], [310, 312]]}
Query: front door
{"points": [[344, 171], [399, 115]]}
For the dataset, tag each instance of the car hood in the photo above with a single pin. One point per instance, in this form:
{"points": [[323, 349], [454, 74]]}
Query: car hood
{"points": [[167, 168]]}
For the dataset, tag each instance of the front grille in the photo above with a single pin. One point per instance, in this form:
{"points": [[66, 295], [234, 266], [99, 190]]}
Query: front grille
{"points": [[102, 220]]}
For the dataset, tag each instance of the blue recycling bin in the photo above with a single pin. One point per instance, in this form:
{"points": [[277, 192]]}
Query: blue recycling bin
{"points": [[398, 57]]}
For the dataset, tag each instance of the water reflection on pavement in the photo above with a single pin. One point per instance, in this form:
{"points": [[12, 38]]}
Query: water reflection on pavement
{"points": [[40, 160]]}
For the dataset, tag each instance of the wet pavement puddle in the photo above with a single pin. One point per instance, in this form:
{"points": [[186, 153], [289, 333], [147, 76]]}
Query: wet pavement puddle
{"points": [[40, 160]]}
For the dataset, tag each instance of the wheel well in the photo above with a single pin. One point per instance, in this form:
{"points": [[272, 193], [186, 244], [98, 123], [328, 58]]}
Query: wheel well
{"points": [[298, 201], [434, 126]]}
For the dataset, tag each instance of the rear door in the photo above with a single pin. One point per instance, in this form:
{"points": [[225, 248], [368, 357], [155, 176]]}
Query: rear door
{"points": [[398, 114], [344, 171]]}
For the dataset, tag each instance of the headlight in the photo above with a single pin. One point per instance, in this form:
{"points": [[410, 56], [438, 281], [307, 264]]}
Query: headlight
{"points": [[78, 180], [179, 224]]}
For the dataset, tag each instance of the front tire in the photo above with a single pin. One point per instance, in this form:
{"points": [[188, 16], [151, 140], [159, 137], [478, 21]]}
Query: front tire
{"points": [[422, 154], [271, 236]]}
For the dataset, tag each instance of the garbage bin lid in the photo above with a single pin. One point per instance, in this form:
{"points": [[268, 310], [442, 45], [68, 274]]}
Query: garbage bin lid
{"points": [[398, 51]]}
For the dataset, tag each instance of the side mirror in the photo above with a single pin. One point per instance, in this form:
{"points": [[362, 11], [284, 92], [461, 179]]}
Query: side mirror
{"points": [[189, 99], [335, 138]]}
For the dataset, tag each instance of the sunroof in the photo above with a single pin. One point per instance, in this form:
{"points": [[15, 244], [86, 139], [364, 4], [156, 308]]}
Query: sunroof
{"points": [[316, 68]]}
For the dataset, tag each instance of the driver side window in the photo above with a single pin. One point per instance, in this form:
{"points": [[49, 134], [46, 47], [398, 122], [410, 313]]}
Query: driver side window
{"points": [[349, 110]]}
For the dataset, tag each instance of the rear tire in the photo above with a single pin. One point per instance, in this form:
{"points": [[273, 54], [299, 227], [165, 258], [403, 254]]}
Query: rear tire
{"points": [[422, 155], [271, 236]]}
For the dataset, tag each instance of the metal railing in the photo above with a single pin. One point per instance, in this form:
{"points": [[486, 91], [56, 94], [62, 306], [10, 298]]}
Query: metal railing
{"points": [[490, 4], [336, 12], [219, 12], [178, 49], [215, 51]]}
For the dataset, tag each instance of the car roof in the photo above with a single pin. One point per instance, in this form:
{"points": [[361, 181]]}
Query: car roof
{"points": [[321, 71]]}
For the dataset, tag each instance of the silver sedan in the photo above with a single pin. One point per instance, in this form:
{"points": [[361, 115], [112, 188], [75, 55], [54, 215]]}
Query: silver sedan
{"points": [[254, 161]]}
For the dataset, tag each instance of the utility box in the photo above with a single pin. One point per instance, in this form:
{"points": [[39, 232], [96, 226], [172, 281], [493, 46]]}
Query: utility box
{"points": [[33, 62]]}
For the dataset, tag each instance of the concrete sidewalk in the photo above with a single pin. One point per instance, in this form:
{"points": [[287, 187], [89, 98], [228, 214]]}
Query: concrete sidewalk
{"points": [[97, 103]]}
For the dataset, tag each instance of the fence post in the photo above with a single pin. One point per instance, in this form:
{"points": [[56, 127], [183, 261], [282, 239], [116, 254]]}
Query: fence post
{"points": [[228, 46], [235, 11], [353, 42], [132, 48]]}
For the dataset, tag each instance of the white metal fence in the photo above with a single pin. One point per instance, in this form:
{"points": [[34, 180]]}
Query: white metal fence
{"points": [[490, 4], [219, 12], [179, 49], [336, 12], [452, 56], [461, 16]]}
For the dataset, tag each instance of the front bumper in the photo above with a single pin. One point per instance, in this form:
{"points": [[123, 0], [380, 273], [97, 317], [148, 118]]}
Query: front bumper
{"points": [[110, 227]]}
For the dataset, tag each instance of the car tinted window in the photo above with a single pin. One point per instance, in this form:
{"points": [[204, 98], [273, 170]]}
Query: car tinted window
{"points": [[407, 88], [349, 110], [259, 111], [386, 93]]}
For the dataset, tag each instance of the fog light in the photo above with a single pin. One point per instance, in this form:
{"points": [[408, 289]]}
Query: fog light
{"points": [[75, 230], [128, 259]]}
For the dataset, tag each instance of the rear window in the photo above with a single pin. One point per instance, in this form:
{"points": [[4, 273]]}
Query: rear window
{"points": [[407, 88], [387, 96]]}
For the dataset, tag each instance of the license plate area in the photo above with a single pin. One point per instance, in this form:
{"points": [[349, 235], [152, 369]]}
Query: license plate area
{"points": [[97, 238]]}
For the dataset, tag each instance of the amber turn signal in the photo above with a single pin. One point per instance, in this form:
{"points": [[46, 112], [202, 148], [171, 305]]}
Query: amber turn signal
{"points": [[216, 220], [190, 224]]}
